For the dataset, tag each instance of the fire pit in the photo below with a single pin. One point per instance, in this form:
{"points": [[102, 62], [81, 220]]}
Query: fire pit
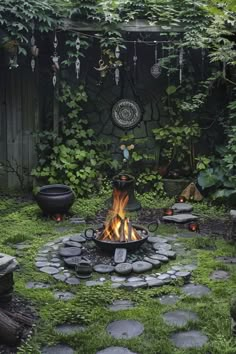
{"points": [[118, 230]]}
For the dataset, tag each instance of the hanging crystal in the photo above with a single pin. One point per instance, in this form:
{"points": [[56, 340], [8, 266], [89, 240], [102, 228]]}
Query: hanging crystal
{"points": [[77, 61], [117, 52], [117, 70], [55, 60], [54, 79], [34, 48], [33, 64], [156, 68], [181, 64]]}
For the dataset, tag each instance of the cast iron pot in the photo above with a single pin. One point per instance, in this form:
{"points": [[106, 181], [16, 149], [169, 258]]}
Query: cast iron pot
{"points": [[55, 199]]}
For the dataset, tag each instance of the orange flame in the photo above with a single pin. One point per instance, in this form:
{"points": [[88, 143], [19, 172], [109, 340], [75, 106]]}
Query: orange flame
{"points": [[118, 228]]}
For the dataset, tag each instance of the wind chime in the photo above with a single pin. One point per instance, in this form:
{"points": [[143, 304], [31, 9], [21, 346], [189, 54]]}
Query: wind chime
{"points": [[34, 48], [181, 64], [77, 62], [117, 70], [55, 60], [156, 68]]}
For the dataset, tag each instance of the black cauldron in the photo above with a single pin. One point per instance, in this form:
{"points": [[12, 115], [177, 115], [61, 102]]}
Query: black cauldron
{"points": [[55, 199]]}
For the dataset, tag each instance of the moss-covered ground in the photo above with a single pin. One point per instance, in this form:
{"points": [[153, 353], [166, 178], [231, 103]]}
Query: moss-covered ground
{"points": [[22, 222]]}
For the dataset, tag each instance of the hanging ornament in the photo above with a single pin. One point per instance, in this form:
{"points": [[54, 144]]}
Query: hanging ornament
{"points": [[55, 60], [13, 64], [77, 62], [34, 49], [181, 64], [156, 68], [117, 52], [116, 65], [102, 69], [224, 69], [135, 58]]}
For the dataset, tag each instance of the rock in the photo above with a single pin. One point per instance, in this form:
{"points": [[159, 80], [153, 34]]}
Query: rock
{"points": [[60, 277], [116, 285], [189, 339], [162, 246], [72, 244], [154, 262], [160, 258], [132, 285], [55, 260], [169, 299], [77, 238], [94, 283], [130, 279], [115, 350], [5, 261], [63, 295], [72, 261], [180, 218], [164, 276], [121, 305], [68, 329], [182, 208], [155, 239], [57, 349], [103, 268], [125, 329], [155, 283], [141, 266], [120, 255], [226, 259], [49, 270], [70, 251], [195, 290], [184, 275], [73, 281], [37, 285], [171, 272], [123, 268], [167, 254], [42, 264], [179, 318], [10, 268], [190, 267], [220, 275], [117, 279]]}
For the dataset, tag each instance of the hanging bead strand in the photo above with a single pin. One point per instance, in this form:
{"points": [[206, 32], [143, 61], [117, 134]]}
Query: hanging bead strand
{"points": [[77, 62], [55, 60], [117, 70]]}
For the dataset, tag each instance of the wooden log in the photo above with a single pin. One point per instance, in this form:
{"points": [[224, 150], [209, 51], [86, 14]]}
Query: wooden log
{"points": [[26, 320], [10, 330]]}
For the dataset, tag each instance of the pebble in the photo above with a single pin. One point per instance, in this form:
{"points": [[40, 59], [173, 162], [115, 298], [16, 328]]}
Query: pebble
{"points": [[141, 266], [123, 268]]}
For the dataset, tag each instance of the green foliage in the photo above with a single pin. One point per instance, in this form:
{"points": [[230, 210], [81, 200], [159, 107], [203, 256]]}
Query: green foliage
{"points": [[149, 181], [74, 157]]}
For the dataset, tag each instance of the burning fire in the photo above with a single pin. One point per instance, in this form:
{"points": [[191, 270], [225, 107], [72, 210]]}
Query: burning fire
{"points": [[118, 228]]}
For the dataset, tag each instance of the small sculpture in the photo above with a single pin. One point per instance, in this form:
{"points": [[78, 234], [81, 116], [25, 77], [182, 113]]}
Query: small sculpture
{"points": [[192, 193], [102, 68]]}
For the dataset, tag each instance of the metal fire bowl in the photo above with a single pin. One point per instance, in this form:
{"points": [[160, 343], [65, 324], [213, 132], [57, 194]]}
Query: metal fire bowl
{"points": [[110, 246]]}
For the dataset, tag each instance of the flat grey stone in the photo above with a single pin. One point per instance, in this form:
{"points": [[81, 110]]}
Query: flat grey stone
{"points": [[49, 270], [42, 264], [103, 268], [125, 329], [72, 244], [162, 246], [189, 339], [179, 318], [168, 254], [70, 251], [94, 283], [184, 275], [182, 208], [60, 277], [37, 285], [132, 285], [155, 239], [124, 268], [77, 238], [163, 276], [115, 350], [116, 285], [190, 267], [180, 218], [55, 260], [72, 281], [117, 279], [195, 290], [155, 283], [63, 295], [72, 261], [220, 275], [41, 259], [121, 305], [57, 349], [177, 268], [69, 329], [171, 272], [169, 299], [154, 262], [226, 259], [120, 255], [130, 279], [160, 258], [56, 265], [149, 277], [141, 266]]}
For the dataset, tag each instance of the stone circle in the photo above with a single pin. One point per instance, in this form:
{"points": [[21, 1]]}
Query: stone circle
{"points": [[103, 268], [179, 318], [189, 339], [195, 290], [115, 350], [123, 268], [125, 329]]}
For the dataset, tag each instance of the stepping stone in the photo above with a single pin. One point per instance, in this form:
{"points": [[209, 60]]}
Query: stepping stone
{"points": [[184, 275], [169, 299], [155, 239], [49, 270], [115, 350], [168, 254], [77, 221], [179, 318], [189, 339], [155, 283], [164, 277], [72, 244], [60, 277], [55, 260], [120, 255], [180, 218], [116, 285], [125, 329], [160, 258], [195, 290], [37, 285], [182, 208], [69, 329], [57, 349], [171, 272], [154, 262], [72, 281], [63, 295], [134, 279], [70, 251], [117, 279], [42, 264], [141, 266], [162, 246], [132, 285], [177, 268], [93, 283], [124, 268], [220, 275], [72, 261], [77, 238], [190, 267], [103, 268], [121, 305], [226, 259]]}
